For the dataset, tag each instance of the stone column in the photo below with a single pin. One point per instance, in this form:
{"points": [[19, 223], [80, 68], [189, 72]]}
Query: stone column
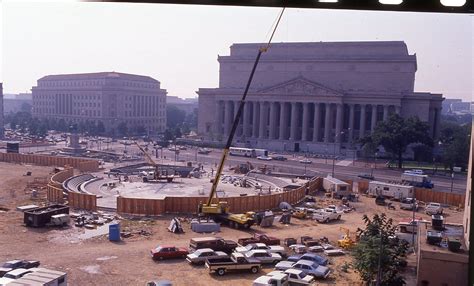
{"points": [[374, 117], [273, 118], [397, 109], [327, 119], [219, 117], [351, 123], [385, 112], [246, 123], [283, 120], [263, 120], [305, 123], [317, 122], [294, 121], [255, 118], [227, 117], [362, 121], [338, 122]]}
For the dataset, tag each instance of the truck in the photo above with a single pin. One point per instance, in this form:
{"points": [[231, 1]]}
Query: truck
{"points": [[42, 276], [337, 187], [214, 243], [409, 204], [259, 238], [391, 190], [417, 180], [237, 262], [326, 215], [40, 217]]}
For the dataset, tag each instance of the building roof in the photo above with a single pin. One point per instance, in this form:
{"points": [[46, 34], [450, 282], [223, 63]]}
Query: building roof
{"points": [[99, 75], [442, 252]]}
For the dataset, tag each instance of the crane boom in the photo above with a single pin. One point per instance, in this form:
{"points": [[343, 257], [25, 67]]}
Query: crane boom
{"points": [[147, 156], [232, 131]]}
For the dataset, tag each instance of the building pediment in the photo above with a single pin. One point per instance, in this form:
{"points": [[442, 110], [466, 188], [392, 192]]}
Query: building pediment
{"points": [[300, 86]]}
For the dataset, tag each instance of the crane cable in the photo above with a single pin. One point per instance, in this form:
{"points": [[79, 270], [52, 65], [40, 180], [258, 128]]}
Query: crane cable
{"points": [[239, 113]]}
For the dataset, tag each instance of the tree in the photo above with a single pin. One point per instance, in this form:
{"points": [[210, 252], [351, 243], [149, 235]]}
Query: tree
{"points": [[122, 129], [379, 253], [454, 139], [168, 136], [174, 116], [396, 133], [177, 132]]}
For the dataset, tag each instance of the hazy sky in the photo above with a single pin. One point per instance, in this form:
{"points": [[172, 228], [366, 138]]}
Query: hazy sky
{"points": [[179, 44]]}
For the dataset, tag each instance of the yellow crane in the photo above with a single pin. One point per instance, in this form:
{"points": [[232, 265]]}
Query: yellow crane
{"points": [[220, 209], [158, 174]]}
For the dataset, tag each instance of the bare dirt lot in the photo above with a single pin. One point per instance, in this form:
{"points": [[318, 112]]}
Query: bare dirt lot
{"points": [[97, 261]]}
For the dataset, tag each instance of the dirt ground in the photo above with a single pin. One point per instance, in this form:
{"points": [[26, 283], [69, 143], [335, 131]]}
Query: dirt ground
{"points": [[96, 261]]}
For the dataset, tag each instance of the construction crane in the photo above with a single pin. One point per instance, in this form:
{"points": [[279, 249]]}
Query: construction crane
{"points": [[158, 174], [220, 209]]}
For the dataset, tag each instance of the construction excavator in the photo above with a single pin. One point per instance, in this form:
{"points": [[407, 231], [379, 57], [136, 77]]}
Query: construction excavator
{"points": [[347, 241], [159, 174]]}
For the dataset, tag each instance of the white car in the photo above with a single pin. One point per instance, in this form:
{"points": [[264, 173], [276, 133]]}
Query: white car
{"points": [[299, 277], [326, 215], [200, 255], [269, 248], [263, 256], [274, 278], [305, 161], [264, 158], [433, 208]]}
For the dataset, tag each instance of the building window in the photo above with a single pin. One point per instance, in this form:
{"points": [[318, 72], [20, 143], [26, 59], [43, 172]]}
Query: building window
{"points": [[425, 283]]}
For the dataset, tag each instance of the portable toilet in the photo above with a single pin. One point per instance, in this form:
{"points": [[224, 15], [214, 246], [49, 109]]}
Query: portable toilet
{"points": [[114, 232]]}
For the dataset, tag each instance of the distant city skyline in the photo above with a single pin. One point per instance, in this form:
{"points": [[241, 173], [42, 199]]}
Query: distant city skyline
{"points": [[179, 44]]}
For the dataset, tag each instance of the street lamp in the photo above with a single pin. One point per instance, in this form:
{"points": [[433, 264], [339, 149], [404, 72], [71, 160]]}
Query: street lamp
{"points": [[452, 180]]}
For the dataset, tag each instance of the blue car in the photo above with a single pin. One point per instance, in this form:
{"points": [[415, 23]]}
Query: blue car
{"points": [[309, 256], [312, 268]]}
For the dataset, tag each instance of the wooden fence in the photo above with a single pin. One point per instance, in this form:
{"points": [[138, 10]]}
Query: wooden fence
{"points": [[190, 204], [82, 201], [83, 165], [428, 195]]}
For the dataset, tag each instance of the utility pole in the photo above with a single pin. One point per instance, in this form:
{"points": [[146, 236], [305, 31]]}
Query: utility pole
{"points": [[452, 180]]}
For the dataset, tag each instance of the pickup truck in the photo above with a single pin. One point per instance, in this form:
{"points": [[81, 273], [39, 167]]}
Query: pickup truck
{"points": [[408, 204], [257, 237], [433, 208], [326, 215], [14, 264], [214, 243], [236, 262]]}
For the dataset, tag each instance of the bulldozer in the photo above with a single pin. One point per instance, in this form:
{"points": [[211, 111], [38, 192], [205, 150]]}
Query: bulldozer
{"points": [[347, 241]]}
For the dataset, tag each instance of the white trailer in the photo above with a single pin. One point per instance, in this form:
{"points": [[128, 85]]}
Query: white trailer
{"points": [[391, 190], [43, 277], [337, 187]]}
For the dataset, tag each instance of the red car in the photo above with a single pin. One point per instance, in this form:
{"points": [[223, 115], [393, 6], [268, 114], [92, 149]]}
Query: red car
{"points": [[168, 251]]}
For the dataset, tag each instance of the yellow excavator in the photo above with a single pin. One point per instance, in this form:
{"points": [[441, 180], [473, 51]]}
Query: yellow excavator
{"points": [[159, 174], [347, 241]]}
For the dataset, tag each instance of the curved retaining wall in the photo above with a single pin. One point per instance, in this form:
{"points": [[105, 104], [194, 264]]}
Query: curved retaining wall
{"points": [[141, 206], [83, 165]]}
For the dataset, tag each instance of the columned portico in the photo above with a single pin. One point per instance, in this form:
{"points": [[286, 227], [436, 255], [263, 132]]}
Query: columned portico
{"points": [[362, 121], [305, 127], [294, 121], [316, 122], [351, 122], [273, 120], [327, 120]]}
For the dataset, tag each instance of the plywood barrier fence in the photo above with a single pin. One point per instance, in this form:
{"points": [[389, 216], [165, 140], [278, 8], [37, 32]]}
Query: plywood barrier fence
{"points": [[83, 165], [82, 201], [363, 186], [428, 195], [54, 189], [190, 204], [54, 194]]}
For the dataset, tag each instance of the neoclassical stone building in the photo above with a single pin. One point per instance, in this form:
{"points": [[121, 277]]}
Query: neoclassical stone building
{"points": [[107, 97], [314, 96]]}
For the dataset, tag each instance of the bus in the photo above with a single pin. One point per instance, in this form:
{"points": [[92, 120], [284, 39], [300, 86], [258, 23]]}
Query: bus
{"points": [[247, 152]]}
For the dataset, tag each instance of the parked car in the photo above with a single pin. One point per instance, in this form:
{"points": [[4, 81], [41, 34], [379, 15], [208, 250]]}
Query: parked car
{"points": [[366, 176], [261, 246], [264, 158], [168, 251], [299, 277], [263, 256], [200, 255], [258, 237], [274, 278], [433, 208], [15, 264], [279, 158], [409, 204], [236, 262], [305, 161], [214, 243], [284, 265], [309, 256], [312, 268]]}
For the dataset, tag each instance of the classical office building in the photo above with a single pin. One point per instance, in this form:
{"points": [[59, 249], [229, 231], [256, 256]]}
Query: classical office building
{"points": [[2, 122], [311, 96], [109, 97]]}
